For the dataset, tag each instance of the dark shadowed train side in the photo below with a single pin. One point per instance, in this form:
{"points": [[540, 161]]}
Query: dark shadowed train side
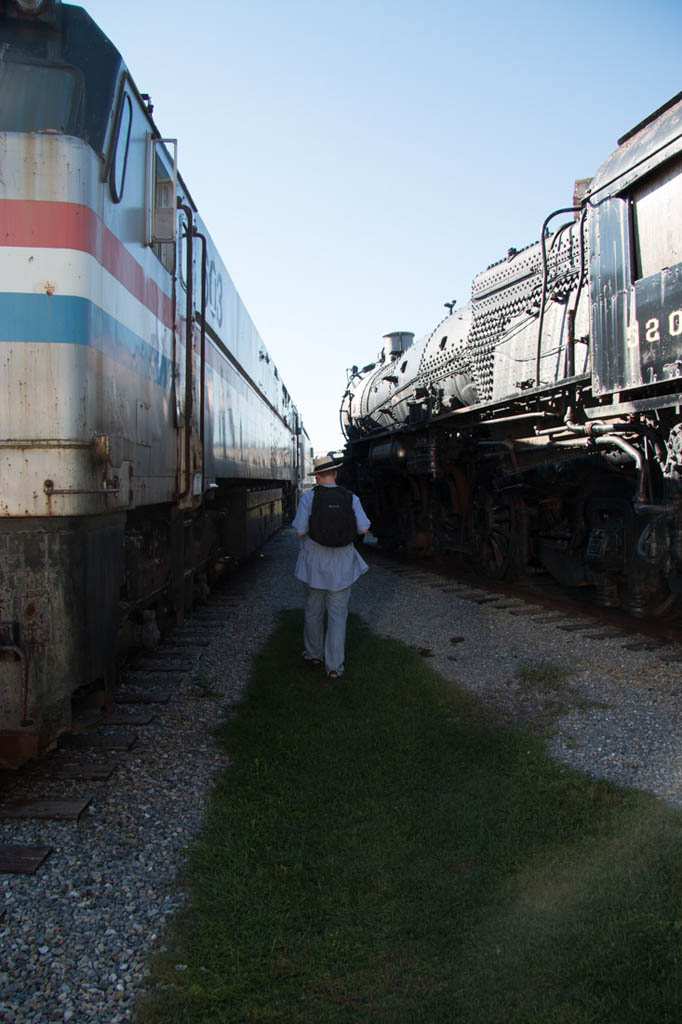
{"points": [[539, 426], [146, 436]]}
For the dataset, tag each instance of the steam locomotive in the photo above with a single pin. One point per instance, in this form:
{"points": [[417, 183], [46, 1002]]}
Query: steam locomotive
{"points": [[539, 427], [146, 436]]}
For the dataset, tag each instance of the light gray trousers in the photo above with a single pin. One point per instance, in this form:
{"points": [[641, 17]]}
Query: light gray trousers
{"points": [[331, 646]]}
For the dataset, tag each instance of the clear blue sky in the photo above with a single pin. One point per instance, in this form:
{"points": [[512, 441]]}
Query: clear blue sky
{"points": [[358, 163]]}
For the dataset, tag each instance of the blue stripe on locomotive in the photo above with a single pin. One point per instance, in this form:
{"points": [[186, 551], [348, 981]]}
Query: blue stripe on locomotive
{"points": [[73, 320]]}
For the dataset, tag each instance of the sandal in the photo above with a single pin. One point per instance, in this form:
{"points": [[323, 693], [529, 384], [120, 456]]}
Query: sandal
{"points": [[311, 661], [333, 675]]}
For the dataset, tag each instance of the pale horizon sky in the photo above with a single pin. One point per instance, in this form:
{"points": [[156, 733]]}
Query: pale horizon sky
{"points": [[358, 164]]}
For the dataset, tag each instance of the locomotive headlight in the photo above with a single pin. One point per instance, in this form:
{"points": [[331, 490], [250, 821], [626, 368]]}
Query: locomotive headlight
{"points": [[43, 11], [31, 6]]}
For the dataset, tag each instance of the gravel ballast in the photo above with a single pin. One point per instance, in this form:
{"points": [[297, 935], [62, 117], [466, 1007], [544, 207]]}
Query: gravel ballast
{"points": [[76, 935]]}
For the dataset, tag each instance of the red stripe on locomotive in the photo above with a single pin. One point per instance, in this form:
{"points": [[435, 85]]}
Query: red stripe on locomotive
{"points": [[50, 225]]}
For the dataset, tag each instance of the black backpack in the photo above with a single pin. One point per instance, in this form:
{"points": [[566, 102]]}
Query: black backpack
{"points": [[332, 520]]}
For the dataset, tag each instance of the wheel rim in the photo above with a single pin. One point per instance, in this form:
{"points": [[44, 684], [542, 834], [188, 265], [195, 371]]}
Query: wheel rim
{"points": [[495, 535]]}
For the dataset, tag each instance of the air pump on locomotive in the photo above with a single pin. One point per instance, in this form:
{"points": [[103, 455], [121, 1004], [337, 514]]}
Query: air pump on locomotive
{"points": [[539, 427]]}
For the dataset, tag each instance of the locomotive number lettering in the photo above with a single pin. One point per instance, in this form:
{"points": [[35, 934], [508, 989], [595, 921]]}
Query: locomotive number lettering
{"points": [[653, 326], [675, 323], [214, 293], [652, 330]]}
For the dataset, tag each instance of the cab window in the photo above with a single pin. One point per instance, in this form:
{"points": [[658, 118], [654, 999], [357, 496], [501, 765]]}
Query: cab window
{"points": [[657, 221], [36, 96]]}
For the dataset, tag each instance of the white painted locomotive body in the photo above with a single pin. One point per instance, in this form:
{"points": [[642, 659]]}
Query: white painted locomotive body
{"points": [[145, 433]]}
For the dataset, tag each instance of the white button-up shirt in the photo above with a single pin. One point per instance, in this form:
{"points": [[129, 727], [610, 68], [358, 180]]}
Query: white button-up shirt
{"points": [[327, 568]]}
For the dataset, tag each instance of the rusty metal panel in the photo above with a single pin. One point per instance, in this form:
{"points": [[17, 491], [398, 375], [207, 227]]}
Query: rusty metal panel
{"points": [[614, 365]]}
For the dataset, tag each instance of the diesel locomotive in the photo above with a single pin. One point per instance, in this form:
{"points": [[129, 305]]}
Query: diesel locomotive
{"points": [[538, 428], [146, 436]]}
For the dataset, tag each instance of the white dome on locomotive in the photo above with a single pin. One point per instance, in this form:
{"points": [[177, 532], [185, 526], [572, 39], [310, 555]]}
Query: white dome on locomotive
{"points": [[435, 369]]}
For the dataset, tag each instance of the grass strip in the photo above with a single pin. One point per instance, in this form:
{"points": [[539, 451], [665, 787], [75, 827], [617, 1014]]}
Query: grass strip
{"points": [[377, 850]]}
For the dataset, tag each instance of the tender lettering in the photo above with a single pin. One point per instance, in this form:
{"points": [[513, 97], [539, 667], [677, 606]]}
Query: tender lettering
{"points": [[675, 323], [652, 330]]}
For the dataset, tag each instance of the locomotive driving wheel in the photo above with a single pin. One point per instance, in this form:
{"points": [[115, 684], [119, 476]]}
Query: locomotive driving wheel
{"points": [[497, 535], [645, 591], [625, 552]]}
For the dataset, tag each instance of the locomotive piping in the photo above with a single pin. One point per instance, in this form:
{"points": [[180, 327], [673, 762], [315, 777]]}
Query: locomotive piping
{"points": [[634, 453], [189, 331], [570, 350], [341, 423], [602, 434], [202, 363], [597, 428], [543, 298]]}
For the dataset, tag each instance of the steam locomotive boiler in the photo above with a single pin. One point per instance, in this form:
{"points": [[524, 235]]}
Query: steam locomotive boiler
{"points": [[145, 433], [538, 427]]}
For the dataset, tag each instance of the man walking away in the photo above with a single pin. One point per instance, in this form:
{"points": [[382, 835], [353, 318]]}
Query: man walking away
{"points": [[328, 520]]}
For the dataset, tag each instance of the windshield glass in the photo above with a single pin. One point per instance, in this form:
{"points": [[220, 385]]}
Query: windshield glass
{"points": [[35, 96]]}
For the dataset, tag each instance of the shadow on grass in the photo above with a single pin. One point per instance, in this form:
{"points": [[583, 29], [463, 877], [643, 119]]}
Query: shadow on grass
{"points": [[378, 851]]}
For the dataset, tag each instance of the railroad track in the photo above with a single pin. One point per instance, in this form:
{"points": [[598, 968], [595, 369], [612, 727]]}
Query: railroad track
{"points": [[61, 785], [540, 599]]}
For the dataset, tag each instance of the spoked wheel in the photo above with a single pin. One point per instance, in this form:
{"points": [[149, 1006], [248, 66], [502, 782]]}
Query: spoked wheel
{"points": [[645, 591], [658, 606], [630, 556], [497, 535]]}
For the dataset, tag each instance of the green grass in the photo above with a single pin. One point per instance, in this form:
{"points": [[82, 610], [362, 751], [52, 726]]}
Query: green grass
{"points": [[377, 851], [542, 674]]}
